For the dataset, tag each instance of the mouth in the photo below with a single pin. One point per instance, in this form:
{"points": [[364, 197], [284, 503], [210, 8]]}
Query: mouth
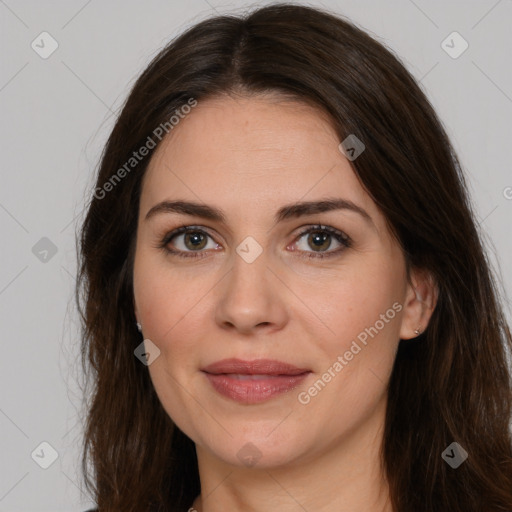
{"points": [[251, 382]]}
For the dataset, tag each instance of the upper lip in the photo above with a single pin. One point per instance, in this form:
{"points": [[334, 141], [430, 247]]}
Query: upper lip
{"points": [[255, 367]]}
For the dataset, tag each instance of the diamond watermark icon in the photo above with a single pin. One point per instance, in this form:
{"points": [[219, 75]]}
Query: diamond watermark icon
{"points": [[44, 455], [44, 45], [147, 352], [454, 45], [352, 147], [44, 250], [249, 455], [249, 249], [454, 455]]}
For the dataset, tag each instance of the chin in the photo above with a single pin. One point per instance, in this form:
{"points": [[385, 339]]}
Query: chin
{"points": [[258, 449]]}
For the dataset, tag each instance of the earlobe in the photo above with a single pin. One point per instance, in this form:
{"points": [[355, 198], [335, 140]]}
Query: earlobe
{"points": [[137, 322], [421, 299]]}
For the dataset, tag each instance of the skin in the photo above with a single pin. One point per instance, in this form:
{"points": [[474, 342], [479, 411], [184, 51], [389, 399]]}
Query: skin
{"points": [[249, 156]]}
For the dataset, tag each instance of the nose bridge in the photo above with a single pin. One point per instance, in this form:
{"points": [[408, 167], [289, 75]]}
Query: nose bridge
{"points": [[248, 279], [249, 296]]}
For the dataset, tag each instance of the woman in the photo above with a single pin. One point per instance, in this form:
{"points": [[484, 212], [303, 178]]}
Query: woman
{"points": [[285, 299]]}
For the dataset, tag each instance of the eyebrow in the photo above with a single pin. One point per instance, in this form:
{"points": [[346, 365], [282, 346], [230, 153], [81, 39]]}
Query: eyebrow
{"points": [[290, 211]]}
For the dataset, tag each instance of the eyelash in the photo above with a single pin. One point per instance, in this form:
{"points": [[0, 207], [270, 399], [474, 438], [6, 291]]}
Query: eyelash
{"points": [[341, 237]]}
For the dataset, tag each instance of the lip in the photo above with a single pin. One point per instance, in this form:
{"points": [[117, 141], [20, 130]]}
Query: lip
{"points": [[255, 367], [252, 382]]}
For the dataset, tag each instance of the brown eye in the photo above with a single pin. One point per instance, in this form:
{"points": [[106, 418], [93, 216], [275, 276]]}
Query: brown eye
{"points": [[187, 241], [195, 240], [320, 239]]}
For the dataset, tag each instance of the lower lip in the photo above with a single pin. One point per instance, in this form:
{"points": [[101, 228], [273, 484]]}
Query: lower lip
{"points": [[253, 391]]}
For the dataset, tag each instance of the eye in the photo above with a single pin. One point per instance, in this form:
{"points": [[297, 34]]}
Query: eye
{"points": [[320, 238], [189, 240]]}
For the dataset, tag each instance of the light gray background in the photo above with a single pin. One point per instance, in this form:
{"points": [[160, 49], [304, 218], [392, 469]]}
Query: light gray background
{"points": [[56, 115]]}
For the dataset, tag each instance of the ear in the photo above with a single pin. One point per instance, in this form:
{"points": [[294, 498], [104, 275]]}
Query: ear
{"points": [[420, 302]]}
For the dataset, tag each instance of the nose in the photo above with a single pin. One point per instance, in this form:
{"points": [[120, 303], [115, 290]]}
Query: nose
{"points": [[252, 297]]}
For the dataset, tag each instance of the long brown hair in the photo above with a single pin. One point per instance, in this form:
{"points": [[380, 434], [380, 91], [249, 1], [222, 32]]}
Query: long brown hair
{"points": [[451, 385]]}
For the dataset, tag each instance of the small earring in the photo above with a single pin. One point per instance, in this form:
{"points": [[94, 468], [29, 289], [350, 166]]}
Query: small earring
{"points": [[417, 331], [139, 327]]}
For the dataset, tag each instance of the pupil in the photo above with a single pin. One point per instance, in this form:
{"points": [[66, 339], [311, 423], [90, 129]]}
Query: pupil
{"points": [[195, 240], [321, 238]]}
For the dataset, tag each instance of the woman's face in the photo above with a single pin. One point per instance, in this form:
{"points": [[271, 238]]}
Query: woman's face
{"points": [[253, 285]]}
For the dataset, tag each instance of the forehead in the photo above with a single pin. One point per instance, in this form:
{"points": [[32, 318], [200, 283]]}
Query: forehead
{"points": [[246, 153]]}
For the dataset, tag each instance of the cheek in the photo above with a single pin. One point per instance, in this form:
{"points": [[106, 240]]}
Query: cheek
{"points": [[357, 303], [363, 313], [165, 299], [169, 305]]}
